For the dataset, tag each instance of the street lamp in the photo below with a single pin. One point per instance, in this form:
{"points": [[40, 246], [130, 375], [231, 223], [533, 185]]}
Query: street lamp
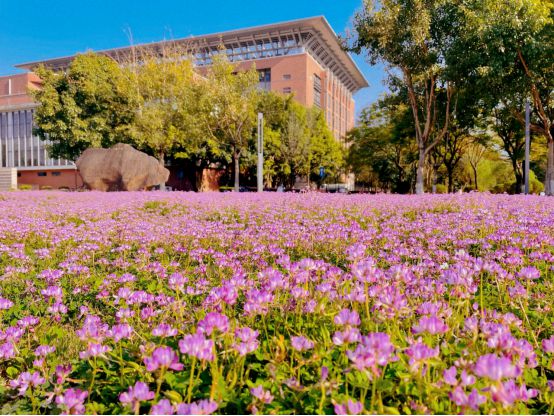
{"points": [[260, 152]]}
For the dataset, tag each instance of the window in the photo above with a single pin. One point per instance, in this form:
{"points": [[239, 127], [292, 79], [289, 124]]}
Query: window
{"points": [[264, 79], [41, 173], [287, 76], [317, 91], [56, 173], [287, 90]]}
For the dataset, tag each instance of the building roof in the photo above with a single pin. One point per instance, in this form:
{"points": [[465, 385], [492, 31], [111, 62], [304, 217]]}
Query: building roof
{"points": [[313, 35]]}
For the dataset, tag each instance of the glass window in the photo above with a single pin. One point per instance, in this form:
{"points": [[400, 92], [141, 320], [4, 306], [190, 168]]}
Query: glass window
{"points": [[41, 173], [287, 90], [317, 91], [56, 173], [264, 79]]}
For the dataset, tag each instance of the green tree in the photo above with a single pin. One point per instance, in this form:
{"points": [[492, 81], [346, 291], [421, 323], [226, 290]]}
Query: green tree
{"points": [[297, 141], [414, 38], [165, 113], [85, 106], [514, 51], [232, 96], [383, 150]]}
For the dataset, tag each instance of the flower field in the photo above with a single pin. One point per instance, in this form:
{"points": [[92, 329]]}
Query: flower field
{"points": [[175, 303]]}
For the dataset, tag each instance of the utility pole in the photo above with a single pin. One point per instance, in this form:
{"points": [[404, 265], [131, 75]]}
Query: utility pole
{"points": [[260, 152], [527, 145]]}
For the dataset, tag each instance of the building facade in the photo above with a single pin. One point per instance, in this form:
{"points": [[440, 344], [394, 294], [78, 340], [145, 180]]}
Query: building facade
{"points": [[301, 57]]}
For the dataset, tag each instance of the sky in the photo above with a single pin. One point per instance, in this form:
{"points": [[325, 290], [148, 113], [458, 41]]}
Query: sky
{"points": [[32, 30]]}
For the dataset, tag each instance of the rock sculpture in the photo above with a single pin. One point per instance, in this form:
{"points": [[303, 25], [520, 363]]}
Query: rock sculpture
{"points": [[120, 168]]}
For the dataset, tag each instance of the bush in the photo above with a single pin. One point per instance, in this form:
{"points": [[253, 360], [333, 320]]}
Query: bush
{"points": [[441, 188], [25, 187]]}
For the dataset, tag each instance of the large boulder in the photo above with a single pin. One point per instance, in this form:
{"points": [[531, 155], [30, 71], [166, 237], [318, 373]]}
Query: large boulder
{"points": [[120, 168]]}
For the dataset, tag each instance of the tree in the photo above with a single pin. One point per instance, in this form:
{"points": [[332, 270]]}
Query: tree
{"points": [[474, 155], [233, 97], [83, 107], [451, 151], [413, 38], [297, 141], [382, 146], [165, 112], [512, 137], [515, 52]]}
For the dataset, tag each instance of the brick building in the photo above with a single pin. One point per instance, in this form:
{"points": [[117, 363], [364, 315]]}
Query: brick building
{"points": [[303, 57]]}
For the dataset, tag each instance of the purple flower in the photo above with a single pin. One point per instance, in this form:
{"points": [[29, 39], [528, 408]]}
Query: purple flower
{"points": [[348, 336], [467, 379], [508, 393], [62, 371], [163, 357], [249, 340], [121, 331], [374, 351], [420, 352], [262, 395], [430, 324], [472, 401], [495, 368], [26, 380], [94, 350], [71, 402], [214, 320], [347, 317], [301, 343], [163, 407], [54, 292], [548, 345], [449, 376], [5, 303], [44, 350], [201, 407], [7, 350], [136, 394], [351, 407], [529, 273], [196, 345], [92, 330], [164, 331]]}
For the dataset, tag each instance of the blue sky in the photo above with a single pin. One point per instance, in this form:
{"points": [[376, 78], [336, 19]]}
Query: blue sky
{"points": [[39, 29]]}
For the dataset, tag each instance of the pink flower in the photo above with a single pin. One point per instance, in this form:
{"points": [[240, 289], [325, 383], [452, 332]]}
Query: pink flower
{"points": [[163, 407], [548, 345], [495, 368], [351, 407], [163, 357], [262, 395], [430, 324], [71, 401], [301, 343], [249, 340], [201, 407], [136, 394], [196, 345], [347, 317]]}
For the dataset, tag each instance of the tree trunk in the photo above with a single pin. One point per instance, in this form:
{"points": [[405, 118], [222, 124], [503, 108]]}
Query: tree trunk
{"points": [[519, 177], [475, 177], [549, 177], [420, 174], [236, 157], [161, 159], [450, 181]]}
